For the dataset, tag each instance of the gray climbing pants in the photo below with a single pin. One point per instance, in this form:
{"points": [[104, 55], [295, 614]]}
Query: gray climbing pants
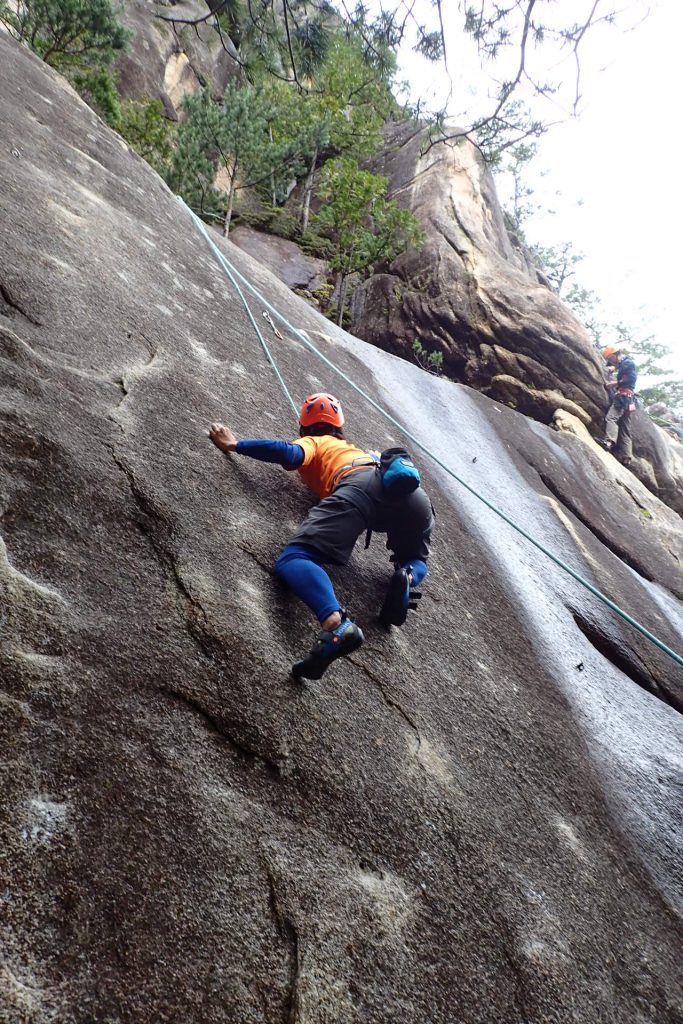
{"points": [[618, 426]]}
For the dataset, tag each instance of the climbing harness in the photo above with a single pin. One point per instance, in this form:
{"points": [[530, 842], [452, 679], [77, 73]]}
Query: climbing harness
{"points": [[234, 275]]}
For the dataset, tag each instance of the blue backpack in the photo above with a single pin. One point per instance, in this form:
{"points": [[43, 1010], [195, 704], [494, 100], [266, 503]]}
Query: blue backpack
{"points": [[398, 473]]}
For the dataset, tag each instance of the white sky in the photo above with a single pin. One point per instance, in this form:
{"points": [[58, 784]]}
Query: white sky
{"points": [[619, 157]]}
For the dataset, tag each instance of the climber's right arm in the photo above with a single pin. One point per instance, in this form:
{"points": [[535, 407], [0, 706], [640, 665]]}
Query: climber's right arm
{"points": [[282, 453]]}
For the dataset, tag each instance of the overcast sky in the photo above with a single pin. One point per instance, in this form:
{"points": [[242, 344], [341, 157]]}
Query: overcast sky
{"points": [[619, 158]]}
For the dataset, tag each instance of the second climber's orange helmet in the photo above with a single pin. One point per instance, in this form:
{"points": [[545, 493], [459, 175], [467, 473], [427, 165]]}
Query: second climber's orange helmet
{"points": [[612, 350], [321, 408]]}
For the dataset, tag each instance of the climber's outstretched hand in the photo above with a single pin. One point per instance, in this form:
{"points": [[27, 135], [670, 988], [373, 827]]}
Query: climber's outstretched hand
{"points": [[222, 437]]}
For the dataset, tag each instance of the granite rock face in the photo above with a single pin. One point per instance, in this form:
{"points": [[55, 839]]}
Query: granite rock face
{"points": [[283, 258], [167, 63], [473, 819], [469, 293]]}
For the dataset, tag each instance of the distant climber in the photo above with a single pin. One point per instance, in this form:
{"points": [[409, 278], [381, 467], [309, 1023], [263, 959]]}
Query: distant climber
{"points": [[623, 404], [359, 491]]}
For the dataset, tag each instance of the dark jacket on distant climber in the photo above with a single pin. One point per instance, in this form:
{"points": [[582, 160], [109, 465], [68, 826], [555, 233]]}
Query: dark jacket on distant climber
{"points": [[627, 375], [618, 418]]}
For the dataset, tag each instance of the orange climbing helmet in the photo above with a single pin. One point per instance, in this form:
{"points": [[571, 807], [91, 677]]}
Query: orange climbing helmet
{"points": [[611, 350], [321, 408]]}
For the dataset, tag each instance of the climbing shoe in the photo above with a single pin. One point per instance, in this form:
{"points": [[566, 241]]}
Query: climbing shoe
{"points": [[399, 598], [330, 644], [605, 443]]}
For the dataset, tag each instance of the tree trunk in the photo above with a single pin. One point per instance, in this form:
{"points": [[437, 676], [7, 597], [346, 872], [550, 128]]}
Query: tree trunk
{"points": [[343, 278], [308, 190], [231, 199], [273, 196]]}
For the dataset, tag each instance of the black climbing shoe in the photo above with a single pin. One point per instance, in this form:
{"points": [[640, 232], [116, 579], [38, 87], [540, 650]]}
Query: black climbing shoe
{"points": [[398, 600], [605, 443], [330, 644]]}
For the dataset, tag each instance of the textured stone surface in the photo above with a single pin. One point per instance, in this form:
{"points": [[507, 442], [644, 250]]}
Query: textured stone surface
{"points": [[167, 64], [474, 819], [282, 257], [468, 292]]}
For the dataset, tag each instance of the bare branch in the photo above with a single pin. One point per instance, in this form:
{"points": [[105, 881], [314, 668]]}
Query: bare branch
{"points": [[577, 42], [443, 36], [285, 9]]}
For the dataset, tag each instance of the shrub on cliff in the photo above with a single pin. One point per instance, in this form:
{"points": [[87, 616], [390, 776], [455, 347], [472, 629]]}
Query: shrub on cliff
{"points": [[360, 227], [79, 38], [145, 127]]}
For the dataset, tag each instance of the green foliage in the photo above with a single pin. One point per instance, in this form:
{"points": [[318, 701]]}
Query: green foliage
{"points": [[670, 392], [648, 354], [648, 351], [558, 263], [98, 87], [144, 126], [323, 295], [192, 171], [431, 361], [509, 134], [311, 43], [230, 16], [359, 226], [80, 38], [285, 41], [362, 228], [70, 35], [317, 87], [356, 96], [231, 139], [299, 128]]}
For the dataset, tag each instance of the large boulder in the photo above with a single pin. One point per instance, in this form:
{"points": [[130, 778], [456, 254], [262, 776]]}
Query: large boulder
{"points": [[659, 455], [282, 257], [471, 294], [468, 292], [169, 60], [473, 819]]}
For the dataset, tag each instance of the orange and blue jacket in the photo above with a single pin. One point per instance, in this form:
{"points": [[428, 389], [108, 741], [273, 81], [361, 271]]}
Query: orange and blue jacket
{"points": [[322, 462]]}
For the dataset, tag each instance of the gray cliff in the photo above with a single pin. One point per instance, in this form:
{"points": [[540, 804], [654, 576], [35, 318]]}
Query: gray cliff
{"points": [[474, 819]]}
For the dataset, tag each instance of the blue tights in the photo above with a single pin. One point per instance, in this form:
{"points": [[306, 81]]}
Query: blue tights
{"points": [[299, 566]]}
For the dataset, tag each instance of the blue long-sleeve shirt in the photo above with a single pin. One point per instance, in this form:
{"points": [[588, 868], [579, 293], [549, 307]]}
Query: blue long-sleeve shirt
{"points": [[627, 374], [282, 453]]}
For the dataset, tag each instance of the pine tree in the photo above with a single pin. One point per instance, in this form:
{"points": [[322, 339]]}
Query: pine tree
{"points": [[192, 171], [80, 38], [67, 34], [144, 127], [361, 226], [226, 145]]}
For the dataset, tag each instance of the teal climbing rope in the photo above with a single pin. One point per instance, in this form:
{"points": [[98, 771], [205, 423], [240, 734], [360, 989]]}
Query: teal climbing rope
{"points": [[234, 275], [231, 272]]}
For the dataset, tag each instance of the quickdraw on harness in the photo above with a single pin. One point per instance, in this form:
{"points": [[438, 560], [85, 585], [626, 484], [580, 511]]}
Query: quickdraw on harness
{"points": [[629, 400]]}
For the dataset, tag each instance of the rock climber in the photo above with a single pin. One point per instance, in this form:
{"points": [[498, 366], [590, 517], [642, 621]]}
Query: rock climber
{"points": [[359, 491], [623, 403]]}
